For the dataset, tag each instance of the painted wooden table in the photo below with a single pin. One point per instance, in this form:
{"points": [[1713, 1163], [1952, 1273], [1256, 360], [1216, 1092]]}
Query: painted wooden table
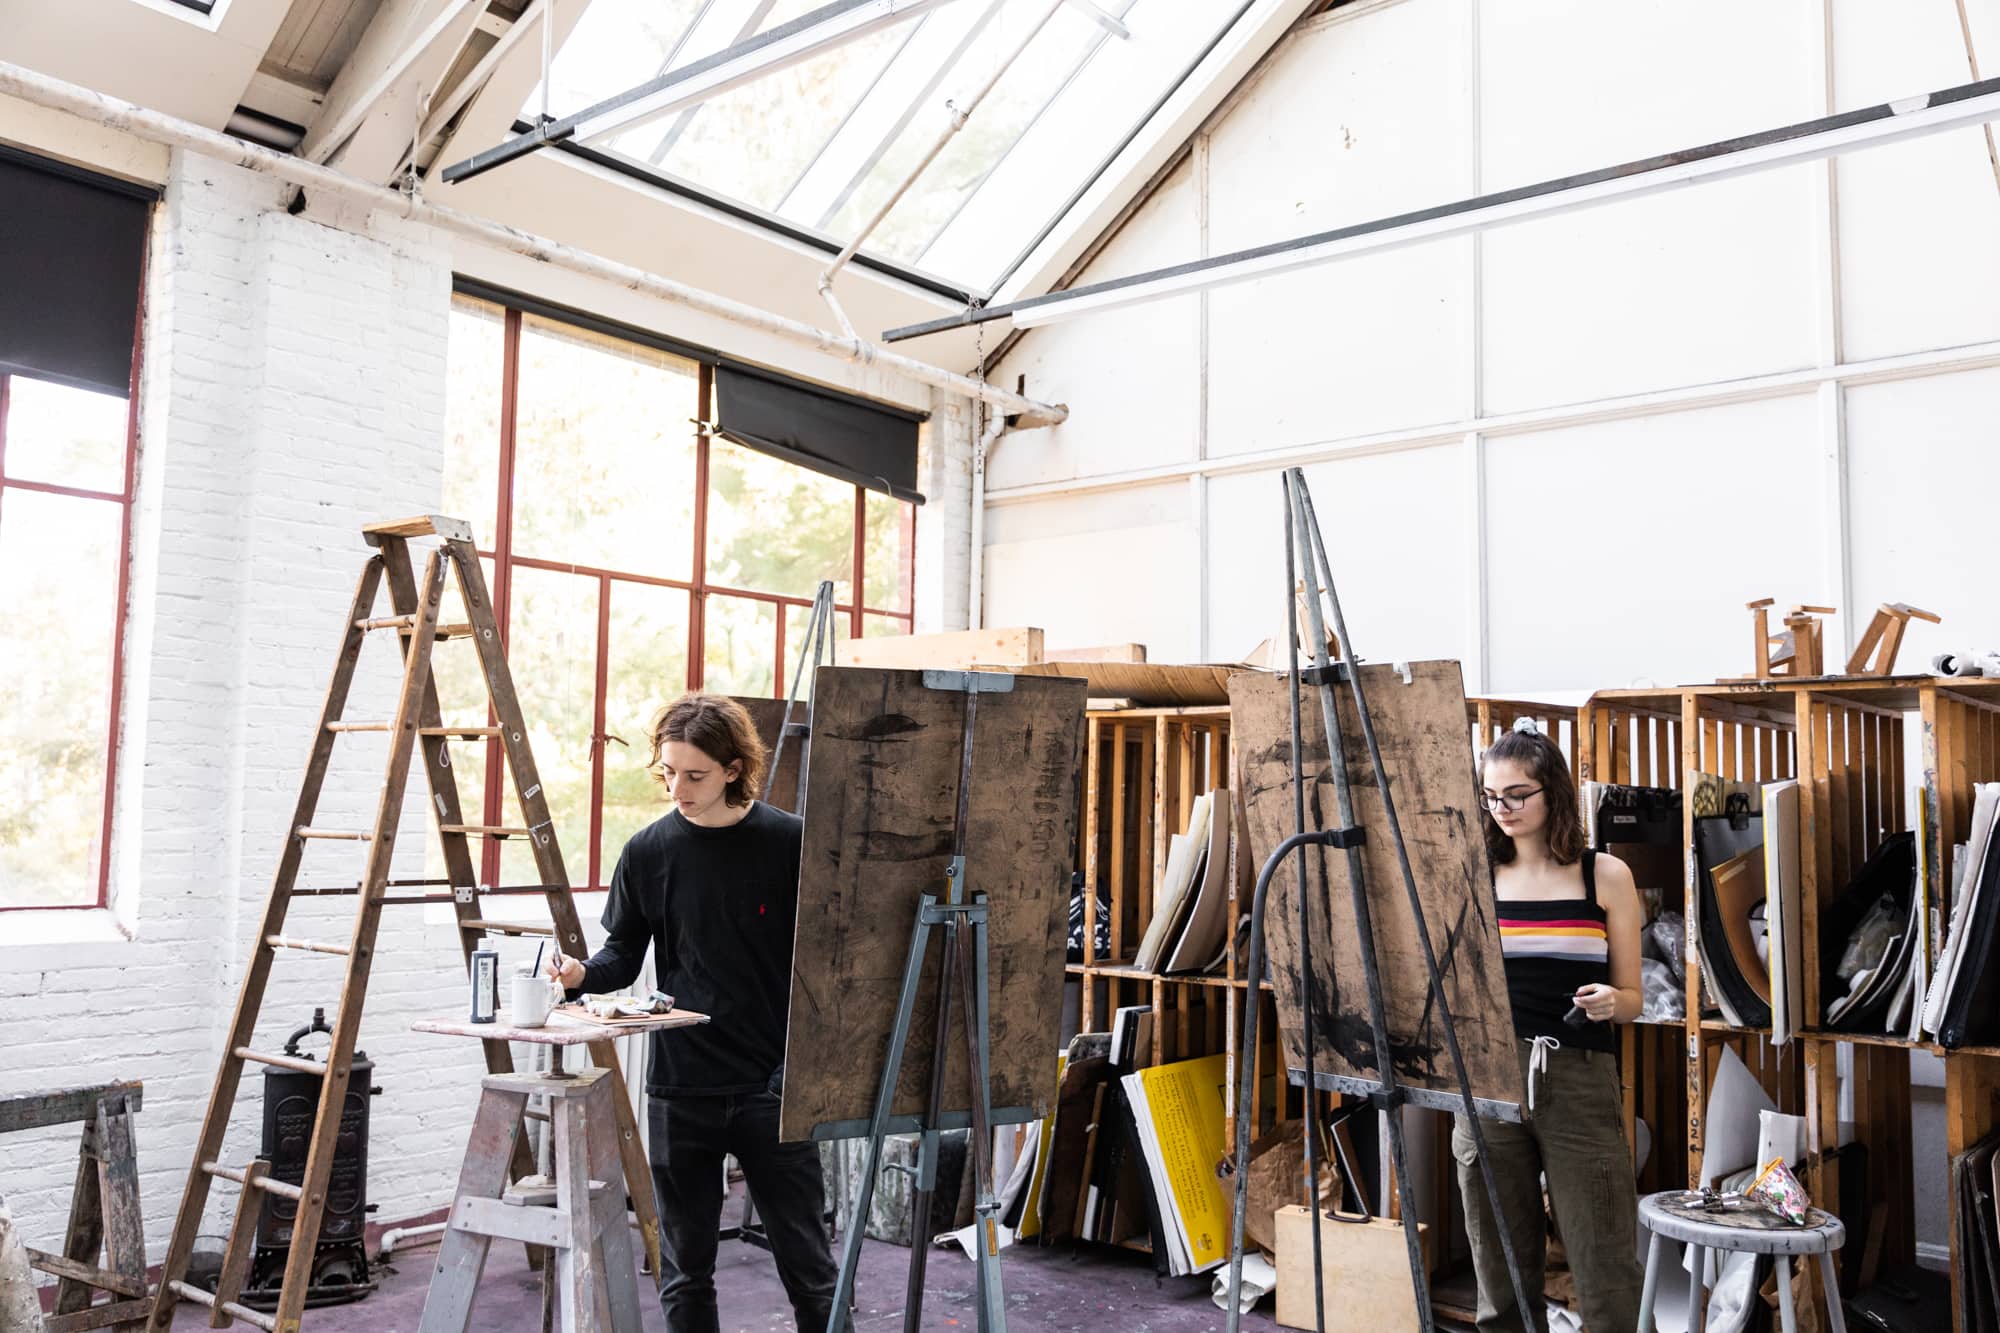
{"points": [[577, 1214]]}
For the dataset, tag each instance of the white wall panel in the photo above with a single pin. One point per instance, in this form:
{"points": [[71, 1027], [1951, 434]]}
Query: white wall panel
{"points": [[1354, 120], [1623, 552], [1396, 536], [1091, 569], [1923, 461], [1711, 283], [1918, 263], [1133, 376], [1571, 85]]}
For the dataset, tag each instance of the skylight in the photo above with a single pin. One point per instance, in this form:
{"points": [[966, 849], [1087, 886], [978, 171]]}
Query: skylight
{"points": [[820, 145]]}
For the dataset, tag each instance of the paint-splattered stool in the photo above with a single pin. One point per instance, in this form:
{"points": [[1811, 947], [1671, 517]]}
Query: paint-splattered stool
{"points": [[1678, 1215], [578, 1214]]}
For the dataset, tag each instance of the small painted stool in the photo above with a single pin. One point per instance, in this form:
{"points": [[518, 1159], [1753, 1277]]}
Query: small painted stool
{"points": [[1677, 1215], [578, 1215]]}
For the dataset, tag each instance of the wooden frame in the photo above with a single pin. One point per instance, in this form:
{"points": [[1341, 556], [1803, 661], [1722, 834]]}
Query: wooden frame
{"points": [[105, 1218]]}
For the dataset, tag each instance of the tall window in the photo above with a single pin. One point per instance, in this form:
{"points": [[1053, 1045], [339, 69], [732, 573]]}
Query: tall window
{"points": [[66, 468], [632, 556]]}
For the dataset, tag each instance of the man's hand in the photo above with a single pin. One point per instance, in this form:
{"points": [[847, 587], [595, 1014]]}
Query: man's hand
{"points": [[567, 971]]}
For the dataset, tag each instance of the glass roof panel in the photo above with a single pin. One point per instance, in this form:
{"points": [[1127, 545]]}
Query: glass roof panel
{"points": [[823, 143]]}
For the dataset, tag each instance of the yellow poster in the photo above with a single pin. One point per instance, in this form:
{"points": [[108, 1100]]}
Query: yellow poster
{"points": [[1183, 1111]]}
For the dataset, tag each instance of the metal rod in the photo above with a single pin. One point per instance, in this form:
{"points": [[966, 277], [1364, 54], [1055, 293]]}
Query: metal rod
{"points": [[154, 127], [808, 643], [1805, 141], [1307, 977], [1531, 1318], [1357, 886]]}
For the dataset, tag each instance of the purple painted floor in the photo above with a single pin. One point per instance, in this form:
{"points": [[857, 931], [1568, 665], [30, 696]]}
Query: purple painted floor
{"points": [[1048, 1291]]}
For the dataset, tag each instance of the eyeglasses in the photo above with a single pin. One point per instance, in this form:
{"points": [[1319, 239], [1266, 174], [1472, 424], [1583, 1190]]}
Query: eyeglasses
{"points": [[1512, 800]]}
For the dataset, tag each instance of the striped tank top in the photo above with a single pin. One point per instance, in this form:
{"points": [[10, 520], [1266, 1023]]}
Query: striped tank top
{"points": [[1550, 948]]}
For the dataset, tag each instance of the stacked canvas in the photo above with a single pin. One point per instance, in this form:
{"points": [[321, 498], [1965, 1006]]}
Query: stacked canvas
{"points": [[1975, 1181], [1177, 1111], [1190, 926], [1959, 1005]]}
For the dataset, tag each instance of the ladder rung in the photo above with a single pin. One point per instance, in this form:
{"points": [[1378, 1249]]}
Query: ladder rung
{"points": [[281, 1061], [341, 834], [269, 1184], [405, 624], [459, 733], [188, 1291], [308, 946], [506, 928], [484, 830], [359, 726]]}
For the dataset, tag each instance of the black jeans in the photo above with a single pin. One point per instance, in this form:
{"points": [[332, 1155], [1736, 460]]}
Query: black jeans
{"points": [[689, 1137]]}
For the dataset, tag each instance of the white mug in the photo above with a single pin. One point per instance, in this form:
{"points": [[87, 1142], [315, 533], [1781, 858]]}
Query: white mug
{"points": [[532, 998]]}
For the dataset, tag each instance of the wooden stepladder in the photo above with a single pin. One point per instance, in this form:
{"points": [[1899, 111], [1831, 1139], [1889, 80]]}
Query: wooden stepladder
{"points": [[417, 727]]}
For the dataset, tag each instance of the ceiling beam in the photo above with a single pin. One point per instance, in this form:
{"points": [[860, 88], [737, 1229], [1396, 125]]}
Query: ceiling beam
{"points": [[1807, 141], [382, 60], [789, 44]]}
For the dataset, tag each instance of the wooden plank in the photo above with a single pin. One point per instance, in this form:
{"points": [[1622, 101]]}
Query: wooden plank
{"points": [[129, 1313], [83, 1239], [957, 650], [1124, 907], [461, 1255], [236, 1255], [1095, 729], [1694, 736], [37, 1110], [502, 1221], [1840, 818], [884, 774], [1420, 728], [1151, 844], [1108, 652], [1146, 683], [118, 1185]]}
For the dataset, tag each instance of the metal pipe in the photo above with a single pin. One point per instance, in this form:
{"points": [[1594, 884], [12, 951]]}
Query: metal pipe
{"points": [[982, 448], [155, 127], [395, 1234]]}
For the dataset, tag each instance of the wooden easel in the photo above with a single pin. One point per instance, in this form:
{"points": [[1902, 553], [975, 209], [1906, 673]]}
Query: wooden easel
{"points": [[104, 1214], [416, 726], [1883, 638]]}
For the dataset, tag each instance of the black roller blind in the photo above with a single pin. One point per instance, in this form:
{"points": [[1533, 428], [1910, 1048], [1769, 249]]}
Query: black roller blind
{"points": [[72, 247], [871, 446]]}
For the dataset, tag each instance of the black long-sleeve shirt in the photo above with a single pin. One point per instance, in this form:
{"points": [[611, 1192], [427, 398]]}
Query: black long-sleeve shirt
{"points": [[718, 906]]}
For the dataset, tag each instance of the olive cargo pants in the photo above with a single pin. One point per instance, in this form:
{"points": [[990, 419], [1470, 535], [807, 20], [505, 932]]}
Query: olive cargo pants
{"points": [[1575, 1136]]}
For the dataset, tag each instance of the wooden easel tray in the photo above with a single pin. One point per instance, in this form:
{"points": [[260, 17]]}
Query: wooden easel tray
{"points": [[582, 1015]]}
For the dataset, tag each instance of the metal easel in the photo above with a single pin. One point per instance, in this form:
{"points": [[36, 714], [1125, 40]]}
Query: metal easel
{"points": [[962, 916], [1388, 1095]]}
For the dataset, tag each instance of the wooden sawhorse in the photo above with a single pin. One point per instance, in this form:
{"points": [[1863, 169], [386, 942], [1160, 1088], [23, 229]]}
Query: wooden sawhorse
{"points": [[104, 1215], [578, 1213]]}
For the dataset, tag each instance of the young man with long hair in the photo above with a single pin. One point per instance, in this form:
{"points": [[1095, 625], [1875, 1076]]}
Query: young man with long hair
{"points": [[712, 887]]}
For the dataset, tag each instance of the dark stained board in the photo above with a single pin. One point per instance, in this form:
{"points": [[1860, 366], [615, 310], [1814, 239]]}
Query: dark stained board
{"points": [[1421, 728], [884, 779], [766, 715]]}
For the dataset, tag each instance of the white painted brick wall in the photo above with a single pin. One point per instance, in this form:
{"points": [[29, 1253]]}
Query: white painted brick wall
{"points": [[944, 520], [292, 392]]}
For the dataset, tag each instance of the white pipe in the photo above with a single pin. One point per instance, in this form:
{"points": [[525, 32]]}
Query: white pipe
{"points": [[155, 127], [395, 1234], [982, 446]]}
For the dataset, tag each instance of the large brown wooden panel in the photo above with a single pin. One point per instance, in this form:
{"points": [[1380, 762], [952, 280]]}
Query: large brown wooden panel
{"points": [[883, 779], [1421, 728]]}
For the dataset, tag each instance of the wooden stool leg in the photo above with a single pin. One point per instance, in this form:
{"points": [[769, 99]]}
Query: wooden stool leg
{"points": [[118, 1182], [1652, 1286], [1788, 1318], [580, 1295], [1697, 1308], [462, 1254], [614, 1238], [1836, 1317]]}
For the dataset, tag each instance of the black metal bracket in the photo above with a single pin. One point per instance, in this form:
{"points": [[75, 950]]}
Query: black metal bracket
{"points": [[1355, 836], [1333, 673]]}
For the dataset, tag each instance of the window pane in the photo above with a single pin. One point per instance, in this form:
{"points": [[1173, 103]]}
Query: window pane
{"points": [[740, 646], [58, 584], [604, 453], [552, 650], [647, 671], [797, 622], [884, 627], [473, 361], [886, 567], [774, 527], [68, 437], [617, 44]]}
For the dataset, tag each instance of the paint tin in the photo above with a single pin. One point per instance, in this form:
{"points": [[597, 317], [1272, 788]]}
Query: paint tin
{"points": [[485, 984]]}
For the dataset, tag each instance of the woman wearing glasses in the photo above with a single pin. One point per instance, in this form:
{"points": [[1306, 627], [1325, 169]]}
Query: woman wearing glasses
{"points": [[1570, 922]]}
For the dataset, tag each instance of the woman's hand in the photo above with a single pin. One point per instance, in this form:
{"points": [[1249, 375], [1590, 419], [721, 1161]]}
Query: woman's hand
{"points": [[1599, 1002], [567, 971]]}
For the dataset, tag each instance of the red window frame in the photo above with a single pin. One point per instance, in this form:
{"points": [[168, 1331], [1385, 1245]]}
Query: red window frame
{"points": [[506, 558], [115, 687]]}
